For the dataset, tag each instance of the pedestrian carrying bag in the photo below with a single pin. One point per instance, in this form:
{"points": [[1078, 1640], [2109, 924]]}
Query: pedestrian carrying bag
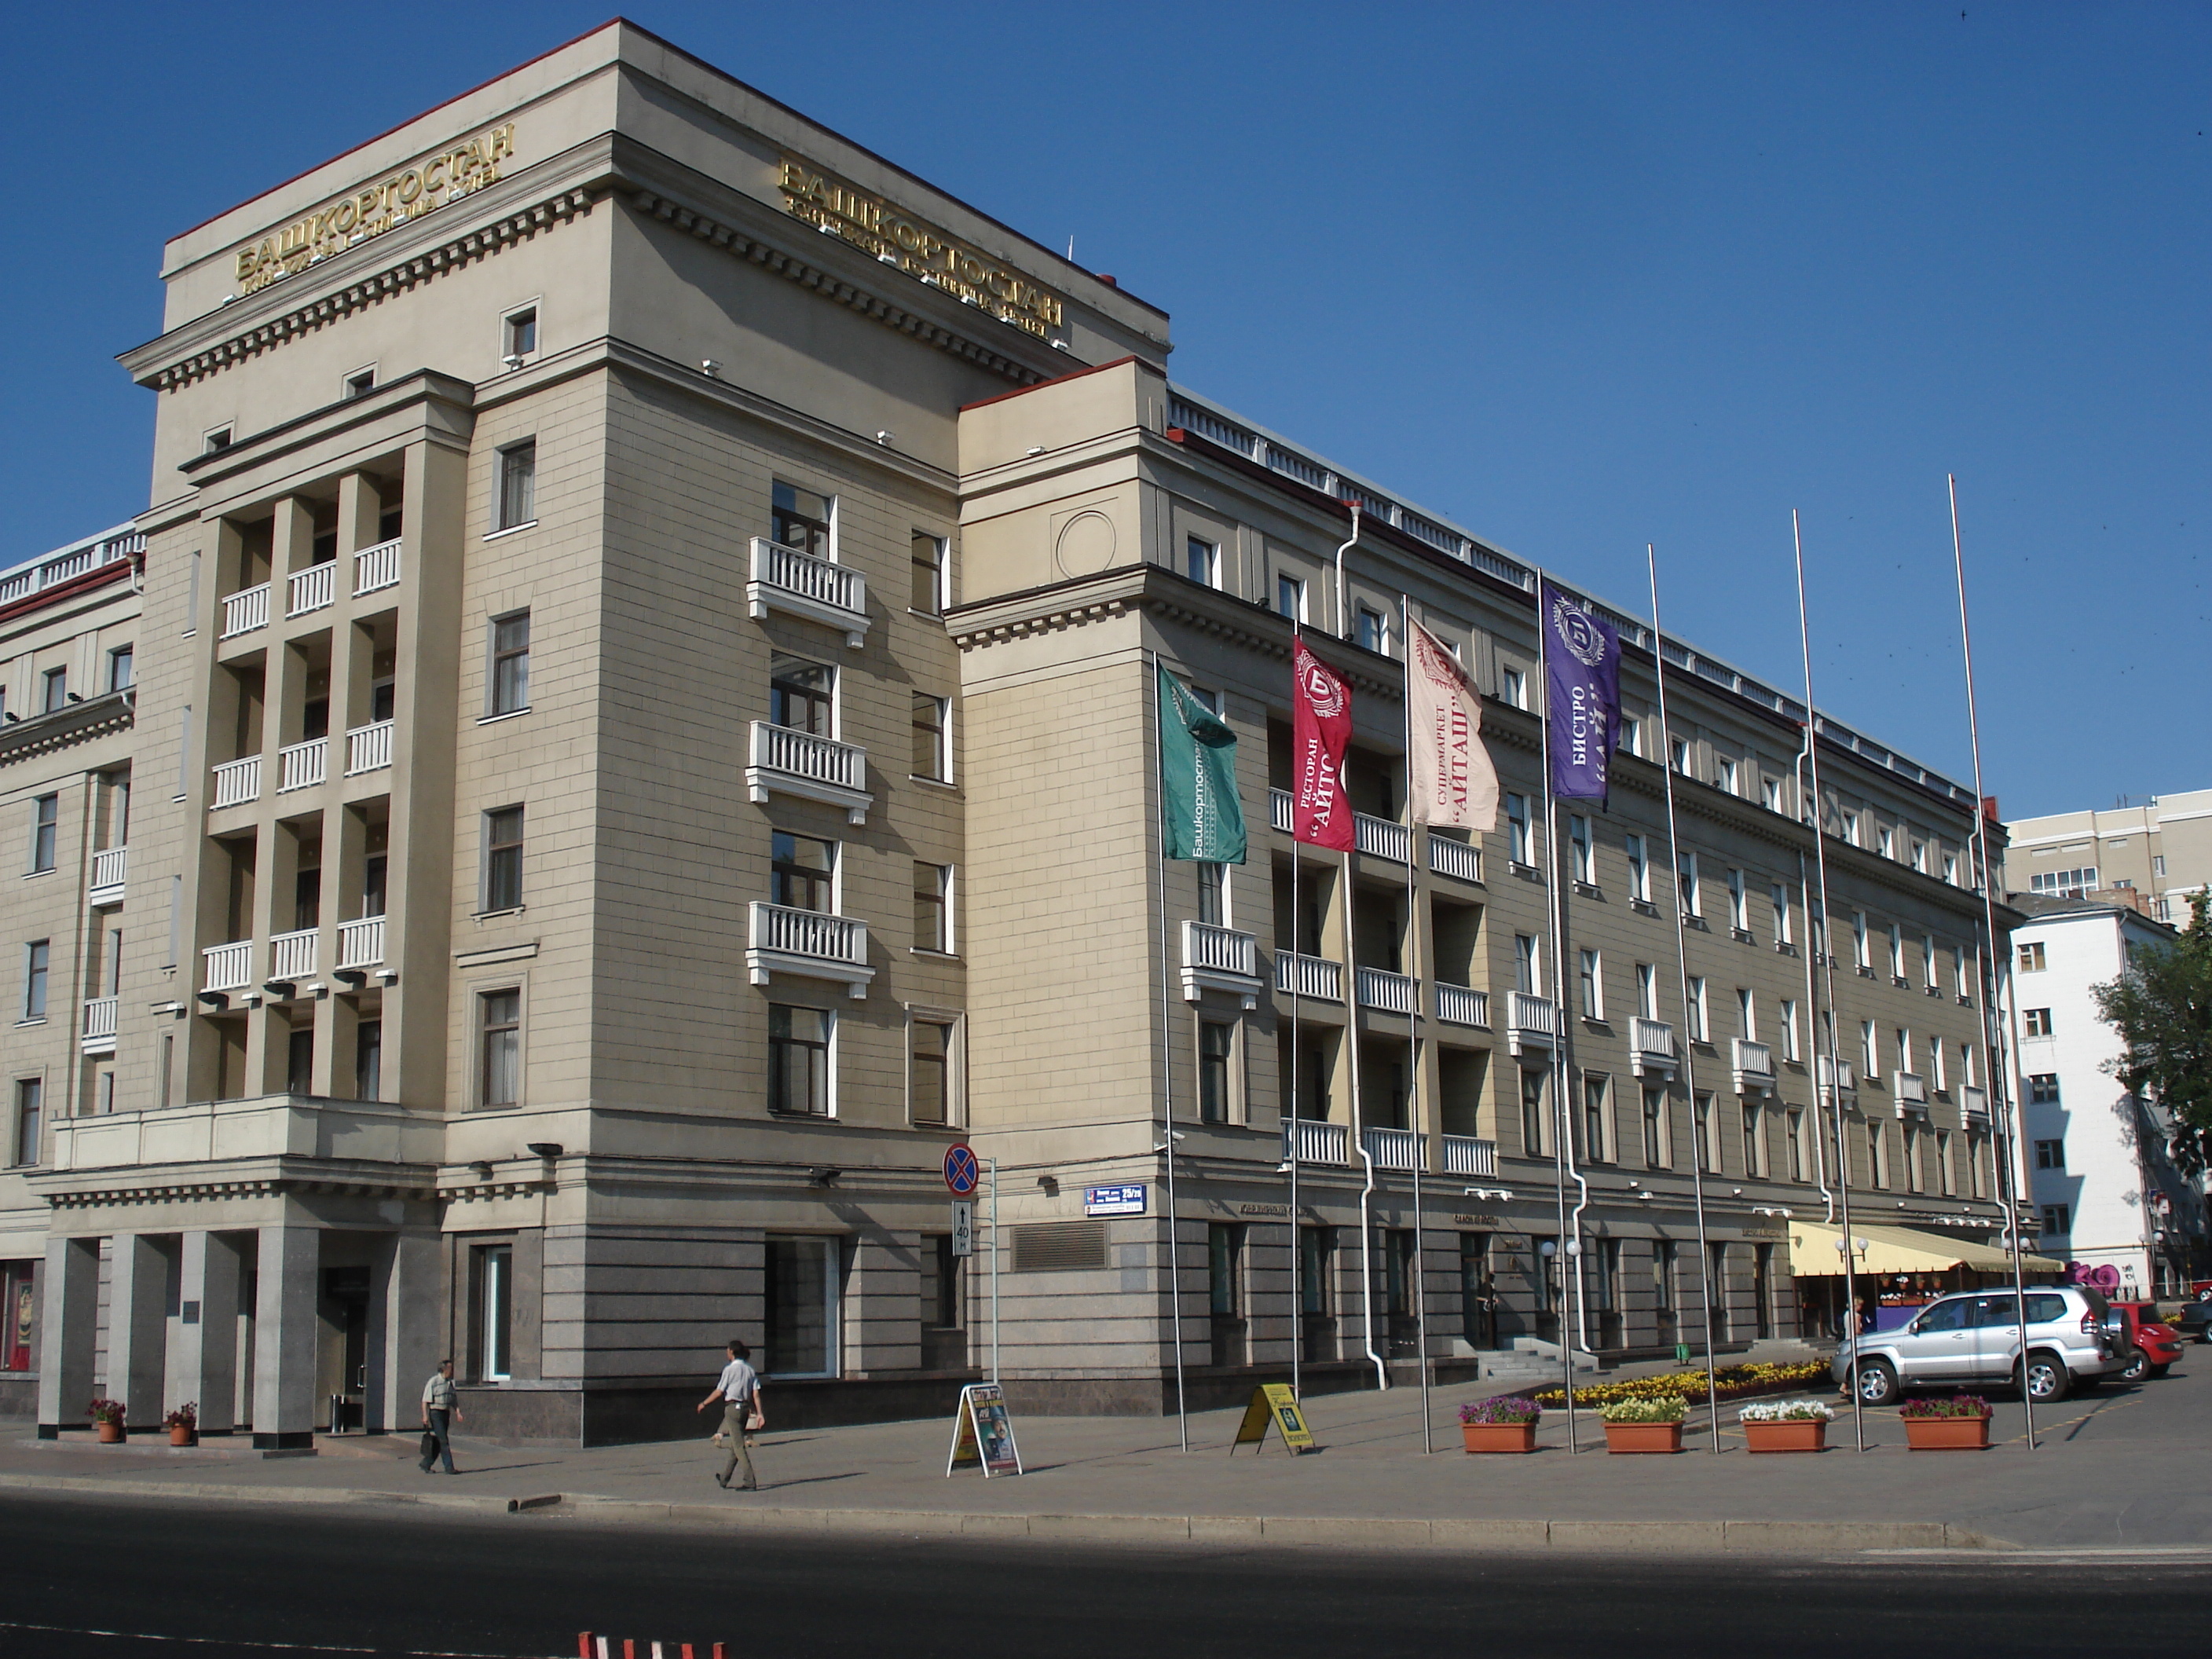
{"points": [[429, 1444]]}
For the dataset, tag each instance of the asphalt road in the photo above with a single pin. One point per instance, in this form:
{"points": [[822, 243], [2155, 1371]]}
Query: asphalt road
{"points": [[221, 1580]]}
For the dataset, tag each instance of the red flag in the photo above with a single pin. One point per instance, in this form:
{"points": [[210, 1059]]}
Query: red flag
{"points": [[1321, 727]]}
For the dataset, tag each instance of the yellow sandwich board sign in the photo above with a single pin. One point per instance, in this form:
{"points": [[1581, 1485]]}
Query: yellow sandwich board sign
{"points": [[1274, 1403], [984, 1434]]}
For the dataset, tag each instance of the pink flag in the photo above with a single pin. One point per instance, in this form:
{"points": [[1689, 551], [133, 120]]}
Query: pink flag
{"points": [[1320, 728], [1449, 775]]}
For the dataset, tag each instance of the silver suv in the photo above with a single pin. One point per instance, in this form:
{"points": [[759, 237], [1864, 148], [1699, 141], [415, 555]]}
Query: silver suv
{"points": [[1975, 1339]]}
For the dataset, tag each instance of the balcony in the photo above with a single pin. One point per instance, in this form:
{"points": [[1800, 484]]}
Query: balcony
{"points": [[311, 589], [1754, 1066], [1220, 959], [1466, 1155], [1974, 1106], [808, 944], [800, 585], [1912, 1091], [1532, 1022], [1381, 839], [1835, 1075], [368, 748], [789, 762], [227, 967], [1456, 1004], [1392, 1148], [303, 765], [98, 1034], [237, 782], [109, 866], [1308, 1140], [245, 610], [1387, 993], [1460, 859], [361, 943], [1278, 809], [1651, 1048], [291, 959], [376, 568], [1314, 977]]}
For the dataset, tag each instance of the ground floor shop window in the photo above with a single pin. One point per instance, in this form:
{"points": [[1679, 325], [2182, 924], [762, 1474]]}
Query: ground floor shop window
{"points": [[944, 1310], [800, 1322], [20, 1308], [1317, 1292], [1224, 1280], [1394, 1270], [1478, 1292], [495, 1312], [1762, 1288], [1666, 1300]]}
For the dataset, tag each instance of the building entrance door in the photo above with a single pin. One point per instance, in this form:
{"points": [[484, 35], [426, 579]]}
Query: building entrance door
{"points": [[345, 1368]]}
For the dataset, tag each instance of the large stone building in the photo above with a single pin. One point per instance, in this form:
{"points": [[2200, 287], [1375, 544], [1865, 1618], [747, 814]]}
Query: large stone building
{"points": [[2153, 857], [635, 697]]}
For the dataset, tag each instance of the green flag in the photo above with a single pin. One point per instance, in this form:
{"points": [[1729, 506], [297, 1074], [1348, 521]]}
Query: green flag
{"points": [[1200, 815]]}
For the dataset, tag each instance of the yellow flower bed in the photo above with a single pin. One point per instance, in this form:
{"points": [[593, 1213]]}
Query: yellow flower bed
{"points": [[1734, 1381]]}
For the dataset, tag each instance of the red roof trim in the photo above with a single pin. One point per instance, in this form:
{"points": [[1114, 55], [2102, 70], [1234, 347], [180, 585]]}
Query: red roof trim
{"points": [[77, 584], [1057, 380]]}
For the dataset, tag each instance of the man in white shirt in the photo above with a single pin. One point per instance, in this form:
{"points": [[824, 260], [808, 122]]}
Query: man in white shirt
{"points": [[441, 1409], [738, 1390]]}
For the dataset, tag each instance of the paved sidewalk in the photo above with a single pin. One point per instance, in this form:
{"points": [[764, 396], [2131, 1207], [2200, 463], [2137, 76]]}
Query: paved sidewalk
{"points": [[2125, 1466]]}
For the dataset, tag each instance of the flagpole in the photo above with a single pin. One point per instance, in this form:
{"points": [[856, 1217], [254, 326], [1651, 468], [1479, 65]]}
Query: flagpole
{"points": [[1834, 1084], [1561, 1125], [2000, 1093], [1415, 909], [1292, 1134], [1699, 1134], [1167, 1077], [1360, 1130]]}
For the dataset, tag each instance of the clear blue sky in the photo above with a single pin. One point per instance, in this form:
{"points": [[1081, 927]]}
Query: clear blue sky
{"points": [[1579, 276]]}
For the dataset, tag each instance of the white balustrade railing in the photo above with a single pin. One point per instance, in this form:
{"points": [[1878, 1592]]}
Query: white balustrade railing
{"points": [[109, 868], [1911, 1089], [99, 1019], [1458, 1004], [1279, 809], [1535, 1014], [802, 754], [238, 782], [1389, 992], [1837, 1074], [1751, 1059], [292, 956], [311, 589], [1392, 1148], [303, 765], [376, 566], [809, 933], [361, 943], [786, 570], [245, 610], [227, 967], [1220, 949], [1655, 1037], [1467, 1155], [368, 748], [1308, 977], [1974, 1103], [1382, 839], [68, 564], [1460, 859], [1311, 1141]]}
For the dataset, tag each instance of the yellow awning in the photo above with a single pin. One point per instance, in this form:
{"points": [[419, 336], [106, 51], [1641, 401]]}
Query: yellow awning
{"points": [[1880, 1250]]}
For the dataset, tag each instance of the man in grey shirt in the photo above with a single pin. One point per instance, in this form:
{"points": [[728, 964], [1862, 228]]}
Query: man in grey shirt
{"points": [[441, 1409], [738, 1390]]}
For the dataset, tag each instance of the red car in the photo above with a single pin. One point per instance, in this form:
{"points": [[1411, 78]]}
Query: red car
{"points": [[2151, 1347]]}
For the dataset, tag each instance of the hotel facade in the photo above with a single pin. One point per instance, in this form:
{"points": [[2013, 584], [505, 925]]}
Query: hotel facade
{"points": [[626, 730]]}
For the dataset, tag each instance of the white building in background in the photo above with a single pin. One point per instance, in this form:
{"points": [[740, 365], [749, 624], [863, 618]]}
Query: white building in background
{"points": [[2099, 1169]]}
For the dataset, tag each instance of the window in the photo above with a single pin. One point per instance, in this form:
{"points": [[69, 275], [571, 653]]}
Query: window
{"points": [[929, 1070], [1869, 1050], [1905, 1048], [1754, 1139], [1597, 1127], [361, 383], [494, 1311], [503, 833], [30, 1112], [1632, 734], [218, 441], [1517, 846], [799, 1060], [1698, 1028], [1726, 773], [1213, 894], [1532, 1113], [1951, 868], [1678, 755], [1655, 1128], [1888, 839], [2050, 1154], [299, 1061], [1647, 990], [800, 1315], [1747, 1014], [799, 519], [1778, 898], [1896, 951], [499, 1028], [1216, 1041], [1959, 975], [1225, 1290], [510, 662], [1593, 983], [2039, 1022], [54, 690], [1770, 793], [122, 668], [1793, 1137], [1739, 902], [2032, 959], [932, 919], [1851, 828], [1528, 967], [519, 333], [368, 1060], [2058, 1219], [1290, 597], [1579, 854], [1859, 956], [927, 553], [1201, 562], [1686, 878], [2158, 864], [1790, 1048], [1920, 856], [2041, 1088], [35, 955], [1946, 1174], [1374, 630], [1935, 1077], [517, 485], [1639, 871], [1709, 1149], [932, 753], [46, 821], [1512, 687], [1966, 1064], [802, 695], [802, 873], [2064, 884], [1877, 1156]]}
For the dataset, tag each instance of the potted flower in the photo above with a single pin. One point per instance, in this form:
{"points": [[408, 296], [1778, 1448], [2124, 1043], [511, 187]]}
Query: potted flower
{"points": [[1644, 1426], [107, 1417], [1959, 1424], [1786, 1425], [184, 1424], [1506, 1424]]}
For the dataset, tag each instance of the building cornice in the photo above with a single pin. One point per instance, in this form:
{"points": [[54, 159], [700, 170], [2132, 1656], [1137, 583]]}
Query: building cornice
{"points": [[138, 1184], [79, 722]]}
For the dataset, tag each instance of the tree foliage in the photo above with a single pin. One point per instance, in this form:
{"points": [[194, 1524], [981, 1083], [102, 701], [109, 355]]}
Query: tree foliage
{"points": [[2161, 1006]]}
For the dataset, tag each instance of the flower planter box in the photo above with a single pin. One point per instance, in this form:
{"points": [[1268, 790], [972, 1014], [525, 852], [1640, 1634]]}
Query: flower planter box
{"points": [[1947, 1433], [111, 1434], [1802, 1435], [1499, 1437], [1644, 1436]]}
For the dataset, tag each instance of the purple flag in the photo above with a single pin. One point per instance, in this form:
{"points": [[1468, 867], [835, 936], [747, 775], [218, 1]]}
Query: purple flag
{"points": [[1581, 672]]}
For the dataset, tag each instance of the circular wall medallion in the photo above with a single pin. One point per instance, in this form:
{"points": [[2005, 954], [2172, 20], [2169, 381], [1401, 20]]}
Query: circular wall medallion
{"points": [[1085, 545]]}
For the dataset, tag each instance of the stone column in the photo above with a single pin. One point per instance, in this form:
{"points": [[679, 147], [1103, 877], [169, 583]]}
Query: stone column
{"points": [[284, 1320], [407, 1329], [204, 1358], [138, 1326], [67, 1333]]}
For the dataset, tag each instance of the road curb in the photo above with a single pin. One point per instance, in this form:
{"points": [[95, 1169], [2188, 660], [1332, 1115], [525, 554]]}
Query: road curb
{"points": [[1680, 1536]]}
